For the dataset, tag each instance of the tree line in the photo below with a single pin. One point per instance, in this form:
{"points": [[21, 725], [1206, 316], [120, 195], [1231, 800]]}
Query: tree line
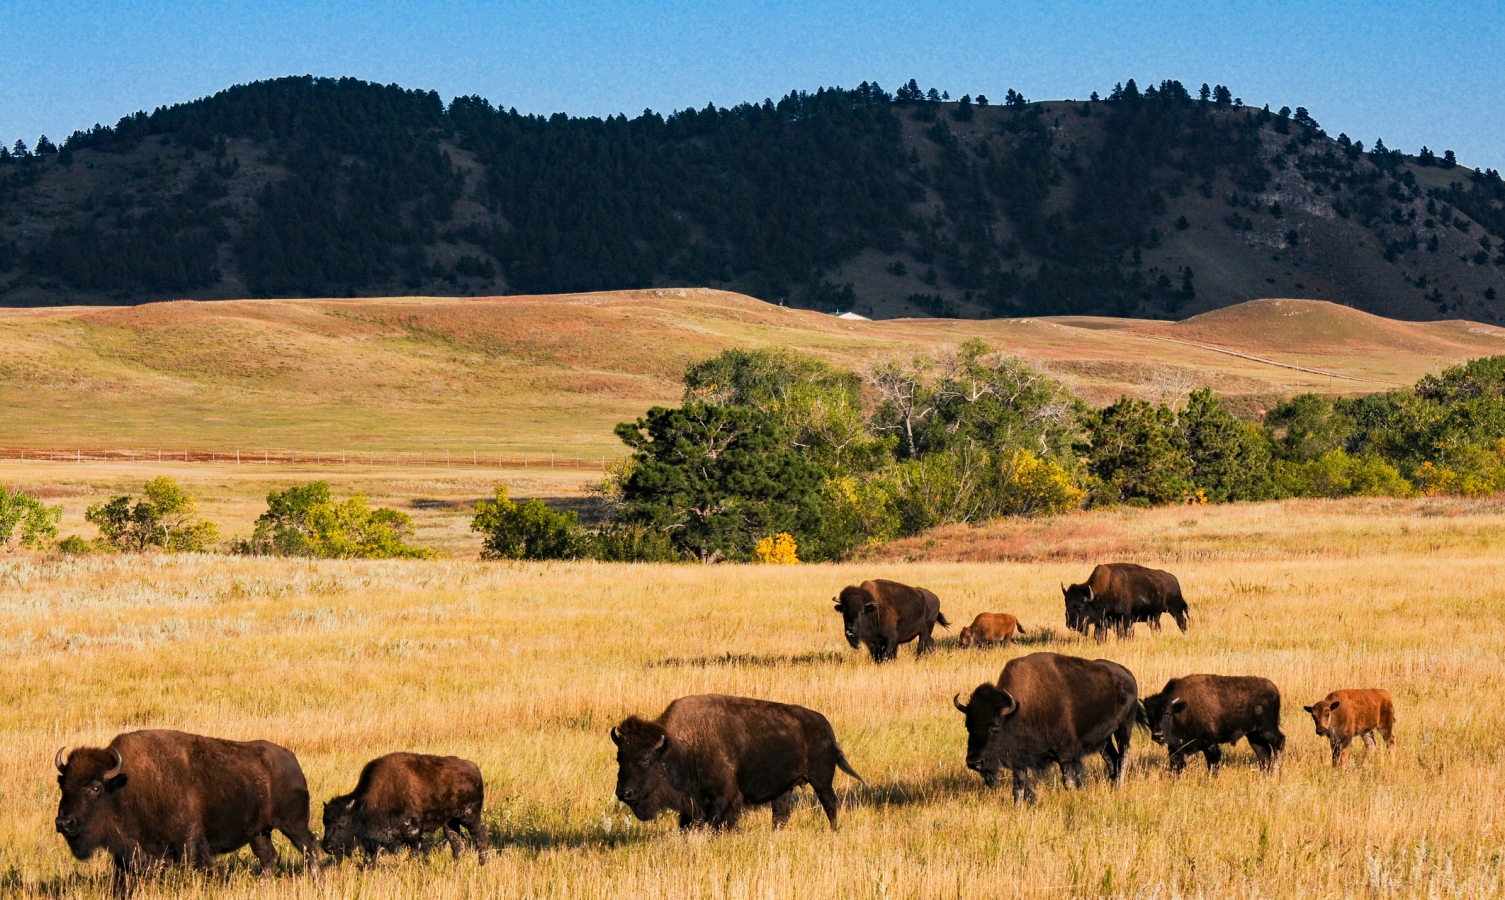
{"points": [[765, 197], [780, 456]]}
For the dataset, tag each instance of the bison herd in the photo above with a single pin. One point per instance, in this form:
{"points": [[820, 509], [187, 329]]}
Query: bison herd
{"points": [[160, 797]]}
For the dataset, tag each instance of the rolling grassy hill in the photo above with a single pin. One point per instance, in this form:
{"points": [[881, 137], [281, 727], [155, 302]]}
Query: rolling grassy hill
{"points": [[553, 374]]}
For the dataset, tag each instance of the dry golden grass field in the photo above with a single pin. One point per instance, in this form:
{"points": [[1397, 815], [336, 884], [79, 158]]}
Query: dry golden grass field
{"points": [[554, 374], [523, 668]]}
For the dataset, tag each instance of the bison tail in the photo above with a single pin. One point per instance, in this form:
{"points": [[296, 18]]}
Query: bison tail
{"points": [[940, 619], [841, 762], [1019, 628], [1141, 715]]}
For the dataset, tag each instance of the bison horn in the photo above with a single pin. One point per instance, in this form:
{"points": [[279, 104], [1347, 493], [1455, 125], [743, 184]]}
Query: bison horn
{"points": [[119, 764], [1063, 588], [1091, 594], [957, 702], [61, 760], [662, 740], [1010, 708]]}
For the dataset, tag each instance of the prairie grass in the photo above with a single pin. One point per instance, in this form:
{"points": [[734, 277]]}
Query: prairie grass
{"points": [[523, 668]]}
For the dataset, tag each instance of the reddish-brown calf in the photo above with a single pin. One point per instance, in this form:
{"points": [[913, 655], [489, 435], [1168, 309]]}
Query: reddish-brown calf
{"points": [[1344, 715], [989, 628]]}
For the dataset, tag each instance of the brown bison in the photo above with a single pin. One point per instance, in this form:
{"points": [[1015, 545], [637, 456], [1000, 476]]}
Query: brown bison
{"points": [[401, 796], [1117, 595], [708, 757], [1048, 708], [156, 797], [884, 614], [1201, 712], [990, 628], [1343, 715]]}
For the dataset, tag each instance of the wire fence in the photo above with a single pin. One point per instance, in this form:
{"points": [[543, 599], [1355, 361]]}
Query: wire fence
{"points": [[474, 459]]}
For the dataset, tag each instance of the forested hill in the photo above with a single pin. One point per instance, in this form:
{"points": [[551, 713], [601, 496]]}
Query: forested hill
{"points": [[1148, 202]]}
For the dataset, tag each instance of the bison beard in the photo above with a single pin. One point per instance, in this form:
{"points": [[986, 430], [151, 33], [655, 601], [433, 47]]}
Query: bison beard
{"points": [[710, 756], [1050, 708], [399, 798], [157, 797], [884, 614]]}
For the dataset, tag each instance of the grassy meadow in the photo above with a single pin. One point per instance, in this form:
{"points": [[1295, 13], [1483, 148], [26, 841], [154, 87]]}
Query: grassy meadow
{"points": [[553, 374], [524, 667]]}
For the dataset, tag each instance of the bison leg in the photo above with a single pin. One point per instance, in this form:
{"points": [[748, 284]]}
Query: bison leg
{"points": [[1370, 744], [1073, 773], [1214, 757], [1116, 757], [122, 876], [783, 806], [1340, 751], [1024, 789], [455, 838], [297, 832], [477, 828], [1155, 624], [266, 854], [1268, 746]]}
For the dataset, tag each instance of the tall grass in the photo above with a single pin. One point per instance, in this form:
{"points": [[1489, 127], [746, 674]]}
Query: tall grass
{"points": [[523, 668]]}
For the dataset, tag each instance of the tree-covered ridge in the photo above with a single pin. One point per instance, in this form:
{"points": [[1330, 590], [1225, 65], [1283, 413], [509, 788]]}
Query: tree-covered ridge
{"points": [[832, 200]]}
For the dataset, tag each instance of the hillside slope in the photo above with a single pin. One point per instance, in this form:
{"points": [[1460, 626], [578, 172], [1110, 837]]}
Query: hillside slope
{"points": [[1147, 204], [545, 374]]}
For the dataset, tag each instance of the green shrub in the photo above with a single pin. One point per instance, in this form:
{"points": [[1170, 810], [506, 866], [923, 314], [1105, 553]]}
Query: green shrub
{"points": [[303, 520], [1337, 474], [36, 521], [527, 531], [1138, 455], [163, 519], [855, 513], [632, 543], [73, 544]]}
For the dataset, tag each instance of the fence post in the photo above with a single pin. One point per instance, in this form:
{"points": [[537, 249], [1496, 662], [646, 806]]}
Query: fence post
{"points": [[525, 460], [446, 459], [159, 454], [551, 460]]}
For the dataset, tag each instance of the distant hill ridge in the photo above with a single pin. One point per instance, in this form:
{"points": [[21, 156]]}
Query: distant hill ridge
{"points": [[1150, 203]]}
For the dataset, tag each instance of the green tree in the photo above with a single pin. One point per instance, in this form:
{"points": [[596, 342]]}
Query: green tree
{"points": [[718, 479], [527, 531], [1230, 459], [1138, 455], [1307, 427], [163, 518], [36, 521]]}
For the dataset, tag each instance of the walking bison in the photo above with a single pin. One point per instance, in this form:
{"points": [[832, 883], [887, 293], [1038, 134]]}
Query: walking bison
{"points": [[1202, 712], [1117, 595], [709, 757], [400, 797], [1049, 708], [1343, 715], [884, 614], [988, 629], [157, 797]]}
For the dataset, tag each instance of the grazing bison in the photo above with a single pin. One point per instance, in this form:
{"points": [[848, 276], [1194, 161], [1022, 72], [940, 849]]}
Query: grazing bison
{"points": [[884, 614], [1117, 595], [1048, 708], [1201, 712], [990, 628], [154, 797], [710, 756], [1343, 715], [401, 796]]}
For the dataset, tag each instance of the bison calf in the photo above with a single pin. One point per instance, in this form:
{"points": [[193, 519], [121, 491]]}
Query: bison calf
{"points": [[156, 797], [990, 628], [884, 614], [710, 756], [401, 796], [1202, 712], [1343, 715]]}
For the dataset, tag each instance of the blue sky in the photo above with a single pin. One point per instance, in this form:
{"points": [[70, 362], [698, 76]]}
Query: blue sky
{"points": [[1413, 73]]}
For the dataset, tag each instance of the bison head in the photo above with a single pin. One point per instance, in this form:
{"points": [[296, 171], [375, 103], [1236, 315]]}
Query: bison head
{"points": [[89, 778], [855, 605], [641, 773], [1079, 600], [340, 829], [965, 638], [1322, 714], [987, 715], [1160, 713]]}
